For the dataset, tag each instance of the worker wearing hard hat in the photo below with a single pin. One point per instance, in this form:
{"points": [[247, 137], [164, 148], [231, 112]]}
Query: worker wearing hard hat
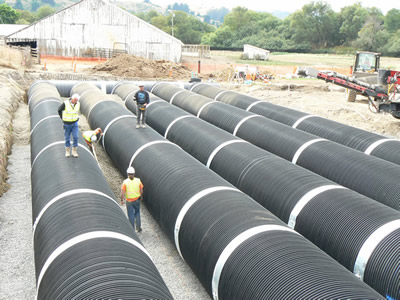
{"points": [[132, 190], [69, 113], [142, 99], [92, 136]]}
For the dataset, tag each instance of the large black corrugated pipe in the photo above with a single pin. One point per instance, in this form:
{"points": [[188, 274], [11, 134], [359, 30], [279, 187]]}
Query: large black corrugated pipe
{"points": [[364, 141], [85, 248], [311, 204], [370, 176], [238, 249]]}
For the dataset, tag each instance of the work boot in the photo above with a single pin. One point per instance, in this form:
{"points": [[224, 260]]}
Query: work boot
{"points": [[143, 126], [67, 151], [139, 229], [75, 152], [137, 126]]}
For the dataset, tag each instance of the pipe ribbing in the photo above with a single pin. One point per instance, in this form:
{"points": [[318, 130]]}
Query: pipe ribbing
{"points": [[367, 175], [343, 134], [85, 248], [234, 251], [336, 219]]}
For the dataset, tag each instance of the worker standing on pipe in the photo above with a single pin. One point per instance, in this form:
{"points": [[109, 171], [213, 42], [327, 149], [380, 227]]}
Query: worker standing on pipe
{"points": [[132, 190], [142, 98], [69, 113], [92, 136]]}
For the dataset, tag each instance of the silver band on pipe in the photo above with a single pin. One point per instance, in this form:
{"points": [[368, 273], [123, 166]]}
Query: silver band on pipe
{"points": [[155, 101], [196, 84], [82, 238], [117, 85], [301, 120], [52, 100], [66, 194], [307, 198], [174, 95], [242, 121], [88, 115], [189, 204], [253, 104], [127, 96], [201, 108], [219, 94], [216, 150], [113, 121], [174, 121], [370, 245], [44, 119], [231, 247], [152, 89], [376, 144], [55, 144], [303, 147], [141, 148]]}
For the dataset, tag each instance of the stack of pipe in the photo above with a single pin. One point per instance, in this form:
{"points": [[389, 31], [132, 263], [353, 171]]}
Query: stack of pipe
{"points": [[370, 143], [340, 221], [85, 248], [238, 249], [368, 175]]}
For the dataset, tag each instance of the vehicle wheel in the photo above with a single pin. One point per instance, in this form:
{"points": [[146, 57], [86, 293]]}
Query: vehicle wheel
{"points": [[351, 95]]}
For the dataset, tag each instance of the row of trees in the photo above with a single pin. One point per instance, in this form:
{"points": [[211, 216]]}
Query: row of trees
{"points": [[314, 28], [8, 15]]}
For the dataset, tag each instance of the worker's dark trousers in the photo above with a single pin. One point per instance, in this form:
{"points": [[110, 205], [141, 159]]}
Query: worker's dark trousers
{"points": [[133, 209], [140, 116]]}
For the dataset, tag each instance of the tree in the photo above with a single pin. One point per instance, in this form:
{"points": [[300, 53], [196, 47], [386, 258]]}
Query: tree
{"points": [[49, 2], [372, 36], [217, 14], [352, 19], [315, 24], [236, 18], [44, 11], [8, 15], [392, 20], [25, 17]]}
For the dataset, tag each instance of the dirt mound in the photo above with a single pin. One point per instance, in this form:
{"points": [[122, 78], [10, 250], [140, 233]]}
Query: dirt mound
{"points": [[132, 66]]}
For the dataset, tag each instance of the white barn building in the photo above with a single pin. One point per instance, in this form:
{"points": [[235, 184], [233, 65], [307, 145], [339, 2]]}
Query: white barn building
{"points": [[97, 28], [254, 52]]}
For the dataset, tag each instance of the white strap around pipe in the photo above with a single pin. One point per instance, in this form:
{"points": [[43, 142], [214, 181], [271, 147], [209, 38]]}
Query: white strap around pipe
{"points": [[376, 144], [303, 147], [174, 95], [174, 121], [370, 245], [204, 105], [301, 120], [112, 122], [141, 148], [219, 94], [66, 194], [253, 104], [82, 238], [216, 150], [231, 247], [88, 115], [306, 199], [189, 204], [45, 101], [242, 121], [44, 119]]}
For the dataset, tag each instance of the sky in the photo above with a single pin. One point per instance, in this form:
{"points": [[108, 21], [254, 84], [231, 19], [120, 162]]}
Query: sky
{"points": [[270, 6]]}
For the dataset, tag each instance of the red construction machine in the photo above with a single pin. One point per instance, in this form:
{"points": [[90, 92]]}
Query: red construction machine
{"points": [[381, 87]]}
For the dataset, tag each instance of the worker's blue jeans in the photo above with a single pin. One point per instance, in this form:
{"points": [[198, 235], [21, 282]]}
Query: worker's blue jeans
{"points": [[133, 209], [74, 129], [140, 116]]}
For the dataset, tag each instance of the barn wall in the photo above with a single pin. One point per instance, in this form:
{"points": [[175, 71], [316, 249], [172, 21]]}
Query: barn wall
{"points": [[96, 24]]}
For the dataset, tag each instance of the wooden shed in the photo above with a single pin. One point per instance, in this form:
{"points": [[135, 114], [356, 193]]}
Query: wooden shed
{"points": [[97, 28], [254, 52]]}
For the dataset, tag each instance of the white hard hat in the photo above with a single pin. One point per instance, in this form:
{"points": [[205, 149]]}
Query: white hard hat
{"points": [[94, 138], [75, 96], [130, 170]]}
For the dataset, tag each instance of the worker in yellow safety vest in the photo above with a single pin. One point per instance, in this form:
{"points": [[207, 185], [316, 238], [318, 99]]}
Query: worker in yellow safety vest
{"points": [[92, 136], [132, 190], [69, 113]]}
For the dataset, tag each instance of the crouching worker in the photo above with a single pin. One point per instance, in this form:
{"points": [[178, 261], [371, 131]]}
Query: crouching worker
{"points": [[92, 136], [132, 190]]}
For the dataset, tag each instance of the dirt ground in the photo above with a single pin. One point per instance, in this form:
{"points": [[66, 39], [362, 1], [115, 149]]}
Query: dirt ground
{"points": [[308, 95]]}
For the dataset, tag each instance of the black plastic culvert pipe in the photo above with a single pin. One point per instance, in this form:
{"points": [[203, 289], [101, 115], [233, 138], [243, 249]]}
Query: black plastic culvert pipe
{"points": [[234, 246], [370, 143], [85, 248], [341, 222], [370, 176]]}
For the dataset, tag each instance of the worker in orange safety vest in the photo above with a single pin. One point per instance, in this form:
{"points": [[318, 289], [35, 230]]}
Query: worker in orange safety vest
{"points": [[132, 190]]}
